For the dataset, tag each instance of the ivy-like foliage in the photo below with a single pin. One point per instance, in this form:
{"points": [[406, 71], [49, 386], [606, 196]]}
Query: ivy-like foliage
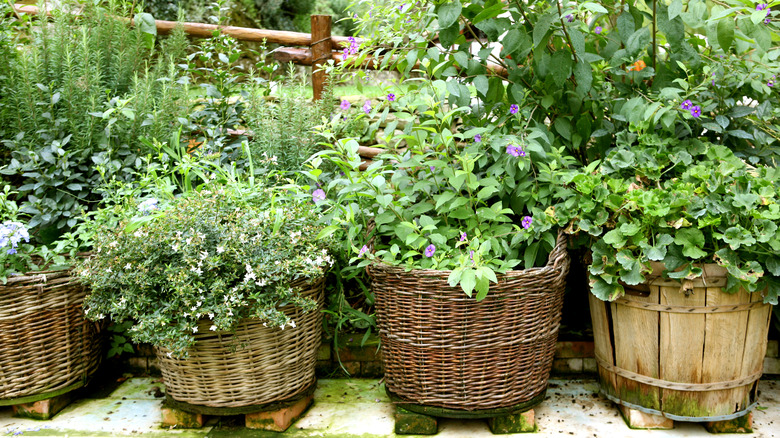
{"points": [[683, 203]]}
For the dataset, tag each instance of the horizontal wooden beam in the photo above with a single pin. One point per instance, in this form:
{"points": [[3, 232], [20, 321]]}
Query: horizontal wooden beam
{"points": [[239, 33]]}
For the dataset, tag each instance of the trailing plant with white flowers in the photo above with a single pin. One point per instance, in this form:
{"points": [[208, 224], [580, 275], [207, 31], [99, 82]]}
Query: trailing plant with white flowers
{"points": [[222, 253]]}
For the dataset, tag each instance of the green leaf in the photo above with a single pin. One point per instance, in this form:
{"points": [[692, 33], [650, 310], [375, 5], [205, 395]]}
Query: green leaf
{"points": [[560, 66], [468, 281], [449, 13], [615, 238], [543, 26], [638, 41], [512, 41], [605, 291], [481, 84], [692, 241], [595, 7], [725, 33], [675, 9]]}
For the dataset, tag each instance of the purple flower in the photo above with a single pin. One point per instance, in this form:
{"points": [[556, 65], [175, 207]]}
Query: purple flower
{"points": [[432, 168], [318, 196], [515, 151], [695, 111], [345, 104], [430, 250], [391, 97], [363, 251], [401, 8], [526, 222], [513, 109], [471, 256], [770, 84], [12, 251], [147, 206], [570, 18], [367, 107], [597, 30], [761, 6], [686, 105], [477, 138], [463, 237], [344, 54]]}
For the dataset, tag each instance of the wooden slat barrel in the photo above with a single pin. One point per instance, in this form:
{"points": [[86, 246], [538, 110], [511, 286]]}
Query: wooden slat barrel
{"points": [[688, 351]]}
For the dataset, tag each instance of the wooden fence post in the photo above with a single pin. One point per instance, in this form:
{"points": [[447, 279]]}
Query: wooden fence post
{"points": [[321, 47]]}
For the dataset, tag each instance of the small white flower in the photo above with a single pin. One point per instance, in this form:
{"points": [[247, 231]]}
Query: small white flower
{"points": [[199, 303], [170, 354], [230, 313], [211, 315], [204, 255], [292, 323], [213, 328], [175, 247], [196, 270], [188, 240], [277, 263], [220, 249], [194, 308], [261, 282], [113, 244], [201, 236], [195, 330], [109, 270], [128, 266]]}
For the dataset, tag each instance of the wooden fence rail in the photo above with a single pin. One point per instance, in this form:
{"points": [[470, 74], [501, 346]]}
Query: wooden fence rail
{"points": [[320, 45]]}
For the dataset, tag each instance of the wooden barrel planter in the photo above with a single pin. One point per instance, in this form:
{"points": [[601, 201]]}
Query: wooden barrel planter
{"points": [[687, 351], [47, 348], [443, 349], [250, 368]]}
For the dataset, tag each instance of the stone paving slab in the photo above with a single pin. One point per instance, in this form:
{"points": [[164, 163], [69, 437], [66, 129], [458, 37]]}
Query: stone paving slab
{"points": [[359, 408]]}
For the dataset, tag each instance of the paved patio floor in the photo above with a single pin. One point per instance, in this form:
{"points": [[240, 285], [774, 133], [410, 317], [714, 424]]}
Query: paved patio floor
{"points": [[355, 408]]}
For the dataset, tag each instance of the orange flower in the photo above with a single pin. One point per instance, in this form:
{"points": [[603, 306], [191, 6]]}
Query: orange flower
{"points": [[637, 66]]}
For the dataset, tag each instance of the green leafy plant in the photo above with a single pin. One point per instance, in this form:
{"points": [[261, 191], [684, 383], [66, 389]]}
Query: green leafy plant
{"points": [[682, 202], [284, 126], [74, 104], [224, 251], [474, 201], [574, 65]]}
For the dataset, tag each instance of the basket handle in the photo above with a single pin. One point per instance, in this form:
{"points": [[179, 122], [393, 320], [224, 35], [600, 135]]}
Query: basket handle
{"points": [[558, 253]]}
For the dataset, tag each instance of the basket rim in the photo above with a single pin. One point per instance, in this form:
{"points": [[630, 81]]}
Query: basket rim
{"points": [[558, 254]]}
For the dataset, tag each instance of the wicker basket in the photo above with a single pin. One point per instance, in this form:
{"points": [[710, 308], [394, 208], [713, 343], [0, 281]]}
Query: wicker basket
{"points": [[255, 365], [442, 348], [46, 346]]}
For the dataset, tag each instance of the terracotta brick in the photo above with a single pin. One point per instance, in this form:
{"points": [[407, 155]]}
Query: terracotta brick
{"points": [[567, 366], [772, 348], [574, 349], [517, 423], [366, 353], [743, 424], [323, 353], [278, 420], [771, 365], [172, 417], [42, 409], [640, 420], [371, 369]]}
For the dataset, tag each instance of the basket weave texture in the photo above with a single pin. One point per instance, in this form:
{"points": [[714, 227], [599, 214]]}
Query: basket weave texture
{"points": [[253, 366], [442, 348], [45, 342]]}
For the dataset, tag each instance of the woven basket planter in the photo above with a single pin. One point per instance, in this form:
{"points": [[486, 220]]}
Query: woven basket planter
{"points": [[256, 365], [46, 346], [687, 351], [442, 348]]}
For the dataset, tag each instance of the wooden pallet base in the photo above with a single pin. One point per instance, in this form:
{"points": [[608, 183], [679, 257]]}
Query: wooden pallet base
{"points": [[413, 423], [43, 409], [636, 419]]}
